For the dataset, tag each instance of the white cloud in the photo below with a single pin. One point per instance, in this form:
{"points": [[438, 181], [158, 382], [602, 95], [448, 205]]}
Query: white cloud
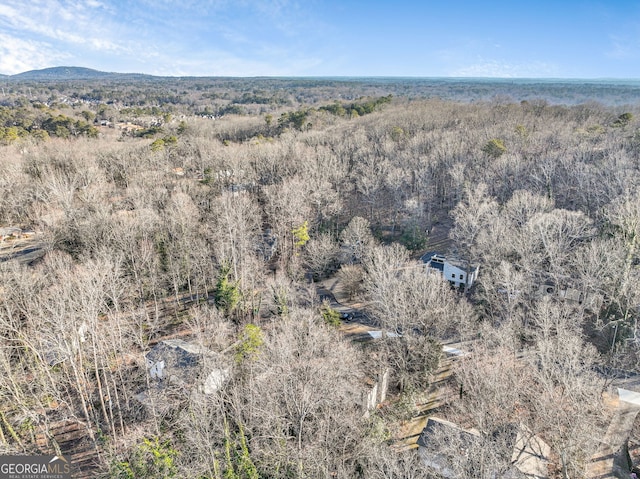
{"points": [[94, 4], [18, 55], [160, 37], [200, 6], [78, 23], [8, 15]]}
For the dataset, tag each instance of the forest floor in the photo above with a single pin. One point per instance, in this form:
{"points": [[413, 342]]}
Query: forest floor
{"points": [[438, 239]]}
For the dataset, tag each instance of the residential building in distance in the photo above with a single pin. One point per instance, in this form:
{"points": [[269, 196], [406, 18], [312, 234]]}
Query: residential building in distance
{"points": [[460, 273]]}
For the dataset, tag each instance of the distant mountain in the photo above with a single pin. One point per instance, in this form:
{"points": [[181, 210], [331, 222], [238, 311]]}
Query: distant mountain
{"points": [[72, 73]]}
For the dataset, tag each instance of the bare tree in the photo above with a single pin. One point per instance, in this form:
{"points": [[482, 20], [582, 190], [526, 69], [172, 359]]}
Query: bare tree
{"points": [[566, 403], [287, 207], [471, 216], [417, 308], [301, 410], [351, 277], [321, 254], [357, 240]]}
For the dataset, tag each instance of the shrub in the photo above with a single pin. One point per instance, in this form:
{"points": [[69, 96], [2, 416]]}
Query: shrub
{"points": [[330, 315], [623, 119], [494, 148]]}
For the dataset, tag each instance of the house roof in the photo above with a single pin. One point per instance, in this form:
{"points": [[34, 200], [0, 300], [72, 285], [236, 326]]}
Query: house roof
{"points": [[177, 353], [440, 429], [442, 442], [425, 258], [377, 334], [434, 260], [437, 261], [462, 264], [436, 265], [631, 397], [184, 362], [180, 359], [10, 230]]}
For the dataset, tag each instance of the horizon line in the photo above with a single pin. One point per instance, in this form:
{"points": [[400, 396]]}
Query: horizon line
{"points": [[336, 77]]}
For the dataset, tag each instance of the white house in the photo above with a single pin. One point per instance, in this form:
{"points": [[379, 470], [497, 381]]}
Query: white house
{"points": [[459, 273]]}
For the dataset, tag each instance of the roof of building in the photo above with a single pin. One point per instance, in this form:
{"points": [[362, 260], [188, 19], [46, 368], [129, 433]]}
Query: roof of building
{"points": [[437, 261], [434, 260], [183, 362], [425, 258], [10, 230], [442, 442], [437, 428], [177, 353], [379, 334], [462, 264]]}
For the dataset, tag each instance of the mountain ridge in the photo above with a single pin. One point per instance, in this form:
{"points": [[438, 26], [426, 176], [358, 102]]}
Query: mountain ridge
{"points": [[71, 73]]}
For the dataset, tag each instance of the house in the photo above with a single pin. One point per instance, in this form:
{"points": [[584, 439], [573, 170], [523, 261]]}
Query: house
{"points": [[612, 458], [10, 233], [179, 363], [590, 301], [461, 274], [379, 334], [376, 390], [447, 449], [441, 443], [56, 351]]}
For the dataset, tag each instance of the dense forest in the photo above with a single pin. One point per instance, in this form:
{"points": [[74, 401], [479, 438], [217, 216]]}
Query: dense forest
{"points": [[222, 278]]}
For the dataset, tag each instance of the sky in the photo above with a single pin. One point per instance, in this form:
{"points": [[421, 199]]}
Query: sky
{"points": [[400, 38]]}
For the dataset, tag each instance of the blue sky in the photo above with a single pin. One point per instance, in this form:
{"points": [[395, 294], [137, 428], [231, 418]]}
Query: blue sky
{"points": [[535, 39]]}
